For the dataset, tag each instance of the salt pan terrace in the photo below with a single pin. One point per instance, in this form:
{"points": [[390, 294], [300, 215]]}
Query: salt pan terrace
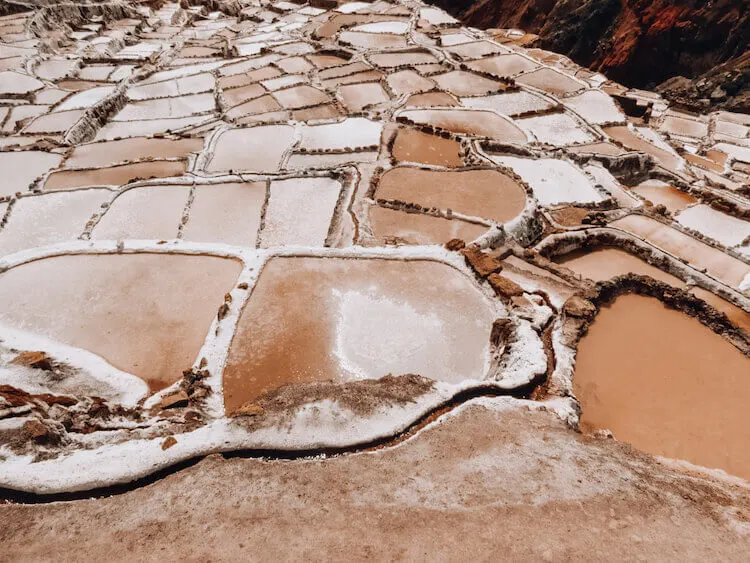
{"points": [[221, 229]]}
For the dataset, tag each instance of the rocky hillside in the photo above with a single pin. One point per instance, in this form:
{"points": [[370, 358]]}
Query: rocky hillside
{"points": [[640, 43]]}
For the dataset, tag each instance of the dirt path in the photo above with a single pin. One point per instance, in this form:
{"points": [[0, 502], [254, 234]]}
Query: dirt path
{"points": [[491, 480]]}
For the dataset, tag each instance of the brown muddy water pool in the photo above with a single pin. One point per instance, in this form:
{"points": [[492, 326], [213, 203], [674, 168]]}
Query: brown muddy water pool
{"points": [[462, 83], [431, 99], [137, 148], [606, 263], [418, 228], [358, 96], [658, 192], [665, 383], [114, 175], [476, 122], [146, 314], [726, 268], [347, 319], [629, 140], [415, 146], [480, 193]]}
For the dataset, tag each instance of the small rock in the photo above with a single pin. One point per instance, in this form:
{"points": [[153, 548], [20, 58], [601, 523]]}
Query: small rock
{"points": [[483, 264], [174, 400], [223, 311], [12, 429], [455, 244], [193, 416], [168, 443], [35, 430], [501, 331], [198, 392], [38, 360], [579, 307], [504, 287]]}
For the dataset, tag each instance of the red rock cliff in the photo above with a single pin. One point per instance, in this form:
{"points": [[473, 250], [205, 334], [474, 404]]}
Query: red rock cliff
{"points": [[640, 43]]}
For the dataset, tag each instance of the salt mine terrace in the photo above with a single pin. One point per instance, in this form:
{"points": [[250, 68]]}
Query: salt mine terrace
{"points": [[292, 230]]}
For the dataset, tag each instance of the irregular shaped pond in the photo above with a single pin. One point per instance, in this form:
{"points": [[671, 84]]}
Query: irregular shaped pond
{"points": [[343, 319], [146, 314], [665, 383]]}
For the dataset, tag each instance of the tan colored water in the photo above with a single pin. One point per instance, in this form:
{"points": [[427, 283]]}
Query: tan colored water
{"points": [[606, 263], [462, 83], [128, 308], [475, 122], [727, 269], [661, 193], [236, 96], [300, 96], [326, 61], [343, 319], [418, 228], [325, 111], [630, 140], [551, 81], [408, 82], [370, 76], [245, 78], [260, 105], [480, 193], [415, 146], [137, 148], [114, 175], [503, 65], [373, 40], [598, 148], [359, 96], [398, 59], [475, 49], [666, 384], [704, 162], [430, 99]]}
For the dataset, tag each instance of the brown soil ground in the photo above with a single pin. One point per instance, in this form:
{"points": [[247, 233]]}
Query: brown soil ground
{"points": [[482, 483]]}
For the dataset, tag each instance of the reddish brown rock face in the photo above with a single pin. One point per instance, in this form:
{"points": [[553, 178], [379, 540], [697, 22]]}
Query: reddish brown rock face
{"points": [[636, 42]]}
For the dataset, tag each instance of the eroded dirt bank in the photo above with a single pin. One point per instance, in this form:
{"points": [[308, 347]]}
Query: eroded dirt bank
{"points": [[517, 483]]}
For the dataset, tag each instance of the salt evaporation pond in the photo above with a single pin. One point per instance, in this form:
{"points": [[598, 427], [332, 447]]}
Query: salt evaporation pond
{"points": [[665, 383], [347, 319], [606, 263], [480, 193], [130, 309]]}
